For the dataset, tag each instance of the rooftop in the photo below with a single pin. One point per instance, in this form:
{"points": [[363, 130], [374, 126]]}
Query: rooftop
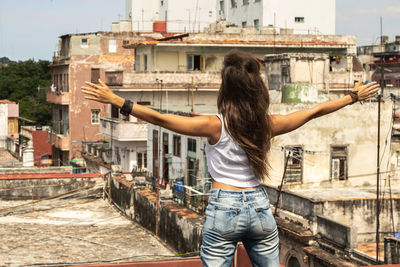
{"points": [[346, 193], [5, 101], [221, 39], [68, 231]]}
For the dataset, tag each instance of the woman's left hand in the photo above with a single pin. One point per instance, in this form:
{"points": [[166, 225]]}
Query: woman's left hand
{"points": [[98, 92], [366, 91]]}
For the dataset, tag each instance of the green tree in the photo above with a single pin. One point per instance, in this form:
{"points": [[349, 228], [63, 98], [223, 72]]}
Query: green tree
{"points": [[25, 82]]}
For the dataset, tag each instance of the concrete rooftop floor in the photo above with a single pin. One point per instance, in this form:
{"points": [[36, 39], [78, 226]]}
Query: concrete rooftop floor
{"points": [[70, 231], [342, 193]]}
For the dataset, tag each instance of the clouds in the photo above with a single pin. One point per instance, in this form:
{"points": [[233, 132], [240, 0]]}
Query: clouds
{"points": [[362, 18], [393, 10]]}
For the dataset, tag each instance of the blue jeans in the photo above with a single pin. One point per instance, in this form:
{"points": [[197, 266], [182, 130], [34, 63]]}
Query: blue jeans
{"points": [[233, 216]]}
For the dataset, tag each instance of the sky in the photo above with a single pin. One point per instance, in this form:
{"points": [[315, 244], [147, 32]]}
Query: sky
{"points": [[29, 29]]}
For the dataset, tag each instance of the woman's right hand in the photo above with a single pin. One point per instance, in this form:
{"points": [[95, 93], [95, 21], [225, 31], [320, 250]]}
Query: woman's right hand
{"points": [[98, 92]]}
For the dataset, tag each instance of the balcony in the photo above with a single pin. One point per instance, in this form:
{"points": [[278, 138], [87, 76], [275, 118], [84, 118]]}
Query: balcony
{"points": [[123, 130], [58, 136], [57, 97], [211, 79], [61, 142]]}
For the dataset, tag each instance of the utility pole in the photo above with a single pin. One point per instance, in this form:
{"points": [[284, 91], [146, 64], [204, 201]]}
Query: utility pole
{"points": [[378, 149], [159, 165]]}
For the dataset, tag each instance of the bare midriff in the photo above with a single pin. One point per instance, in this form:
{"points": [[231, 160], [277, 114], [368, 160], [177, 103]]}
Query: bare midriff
{"points": [[218, 185]]}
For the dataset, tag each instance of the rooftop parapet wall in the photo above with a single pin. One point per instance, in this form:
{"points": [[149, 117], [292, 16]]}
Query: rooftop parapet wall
{"points": [[35, 170], [346, 211], [348, 40], [39, 188], [340, 234], [188, 78]]}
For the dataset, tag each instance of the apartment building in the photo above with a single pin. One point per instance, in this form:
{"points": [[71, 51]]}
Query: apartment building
{"points": [[181, 73], [301, 17], [80, 58]]}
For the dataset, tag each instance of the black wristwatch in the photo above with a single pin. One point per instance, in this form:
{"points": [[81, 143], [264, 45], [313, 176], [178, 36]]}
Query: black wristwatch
{"points": [[354, 96], [126, 108]]}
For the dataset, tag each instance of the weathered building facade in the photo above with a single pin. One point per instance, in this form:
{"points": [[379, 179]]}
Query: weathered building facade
{"points": [[182, 73], [81, 58]]}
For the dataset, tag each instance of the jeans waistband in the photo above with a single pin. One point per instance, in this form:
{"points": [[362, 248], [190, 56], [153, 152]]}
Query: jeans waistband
{"points": [[222, 193]]}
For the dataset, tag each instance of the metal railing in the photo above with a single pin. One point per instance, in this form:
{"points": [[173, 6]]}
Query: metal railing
{"points": [[60, 127], [193, 198]]}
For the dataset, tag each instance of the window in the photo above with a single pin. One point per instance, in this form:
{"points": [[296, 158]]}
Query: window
{"points": [[142, 160], [257, 24], [95, 116], [177, 145], [144, 103], [114, 78], [285, 77], [294, 168], [84, 43], [114, 112], [162, 2], [191, 144], [339, 162], [245, 2], [95, 75], [145, 62], [112, 46], [233, 3], [137, 63], [195, 62], [299, 19], [222, 5], [155, 153], [244, 24], [66, 89]]}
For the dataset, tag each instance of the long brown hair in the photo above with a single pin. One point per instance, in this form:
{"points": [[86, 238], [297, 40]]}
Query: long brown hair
{"points": [[243, 101]]}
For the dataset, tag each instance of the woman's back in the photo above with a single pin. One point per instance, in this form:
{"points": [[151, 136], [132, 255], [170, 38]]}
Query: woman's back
{"points": [[228, 163]]}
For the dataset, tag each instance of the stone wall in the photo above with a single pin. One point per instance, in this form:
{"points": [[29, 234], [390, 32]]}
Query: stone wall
{"points": [[178, 227], [25, 189]]}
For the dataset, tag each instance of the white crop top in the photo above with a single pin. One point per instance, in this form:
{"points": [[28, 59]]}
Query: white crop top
{"points": [[228, 163]]}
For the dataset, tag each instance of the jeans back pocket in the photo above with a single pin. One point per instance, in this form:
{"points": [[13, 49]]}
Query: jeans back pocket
{"points": [[266, 218], [225, 219]]}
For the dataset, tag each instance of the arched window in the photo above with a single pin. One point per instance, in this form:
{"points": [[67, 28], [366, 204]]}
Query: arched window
{"points": [[293, 262]]}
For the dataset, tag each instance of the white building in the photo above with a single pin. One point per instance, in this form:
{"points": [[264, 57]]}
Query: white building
{"points": [[308, 16], [180, 16], [304, 17]]}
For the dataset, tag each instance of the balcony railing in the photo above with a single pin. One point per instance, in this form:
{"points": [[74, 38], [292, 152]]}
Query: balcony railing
{"points": [[187, 78], [60, 127], [57, 96], [59, 141], [123, 130]]}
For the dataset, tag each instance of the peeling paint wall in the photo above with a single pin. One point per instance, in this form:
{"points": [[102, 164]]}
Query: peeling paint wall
{"points": [[354, 126], [362, 213], [300, 93], [75, 61]]}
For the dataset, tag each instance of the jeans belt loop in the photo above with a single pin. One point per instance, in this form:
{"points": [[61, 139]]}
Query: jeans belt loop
{"points": [[244, 196], [217, 197], [265, 191]]}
